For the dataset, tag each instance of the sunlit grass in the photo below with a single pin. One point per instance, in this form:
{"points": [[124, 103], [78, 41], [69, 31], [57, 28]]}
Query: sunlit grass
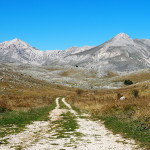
{"points": [[130, 116]]}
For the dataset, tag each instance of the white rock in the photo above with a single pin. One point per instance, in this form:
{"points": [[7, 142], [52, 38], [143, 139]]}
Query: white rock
{"points": [[122, 98]]}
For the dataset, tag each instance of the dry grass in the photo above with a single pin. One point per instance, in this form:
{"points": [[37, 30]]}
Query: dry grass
{"points": [[111, 74], [106, 102], [18, 91], [130, 117], [79, 73], [67, 73], [135, 77]]}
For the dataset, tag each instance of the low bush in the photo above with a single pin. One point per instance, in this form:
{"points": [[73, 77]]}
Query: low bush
{"points": [[128, 82], [135, 93], [79, 92]]}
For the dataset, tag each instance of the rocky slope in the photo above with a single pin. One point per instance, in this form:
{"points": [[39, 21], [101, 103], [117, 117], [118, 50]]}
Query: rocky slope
{"points": [[21, 52], [121, 54]]}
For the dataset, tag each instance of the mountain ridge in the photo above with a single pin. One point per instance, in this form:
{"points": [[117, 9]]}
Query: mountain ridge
{"points": [[119, 54]]}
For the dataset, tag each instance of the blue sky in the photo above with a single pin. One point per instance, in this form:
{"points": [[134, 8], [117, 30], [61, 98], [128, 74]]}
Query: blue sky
{"points": [[59, 24]]}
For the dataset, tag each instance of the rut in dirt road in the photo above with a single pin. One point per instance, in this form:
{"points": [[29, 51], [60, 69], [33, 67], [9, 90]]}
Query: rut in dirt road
{"points": [[67, 130]]}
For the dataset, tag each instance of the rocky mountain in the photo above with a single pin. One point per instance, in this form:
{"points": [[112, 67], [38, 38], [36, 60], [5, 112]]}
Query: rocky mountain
{"points": [[20, 52], [121, 54]]}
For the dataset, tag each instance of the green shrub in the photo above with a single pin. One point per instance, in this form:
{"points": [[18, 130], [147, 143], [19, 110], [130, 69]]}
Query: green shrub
{"points": [[135, 93], [128, 82], [2, 109]]}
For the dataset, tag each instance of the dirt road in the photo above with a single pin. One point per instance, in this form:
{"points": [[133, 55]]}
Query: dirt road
{"points": [[67, 130]]}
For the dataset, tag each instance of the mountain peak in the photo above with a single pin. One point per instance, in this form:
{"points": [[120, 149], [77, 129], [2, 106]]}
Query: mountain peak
{"points": [[121, 35], [16, 42], [121, 39]]}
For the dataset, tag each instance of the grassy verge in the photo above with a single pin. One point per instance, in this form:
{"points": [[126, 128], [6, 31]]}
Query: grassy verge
{"points": [[15, 121], [129, 129], [121, 122], [76, 109]]}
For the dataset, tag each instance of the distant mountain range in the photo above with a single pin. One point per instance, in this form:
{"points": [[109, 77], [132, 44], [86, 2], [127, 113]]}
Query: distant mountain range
{"points": [[121, 53]]}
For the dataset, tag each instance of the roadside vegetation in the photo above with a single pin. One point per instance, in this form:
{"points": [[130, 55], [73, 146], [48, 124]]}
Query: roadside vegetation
{"points": [[15, 121], [130, 117]]}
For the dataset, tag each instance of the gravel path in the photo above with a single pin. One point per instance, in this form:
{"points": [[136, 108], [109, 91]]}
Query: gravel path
{"points": [[42, 135]]}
